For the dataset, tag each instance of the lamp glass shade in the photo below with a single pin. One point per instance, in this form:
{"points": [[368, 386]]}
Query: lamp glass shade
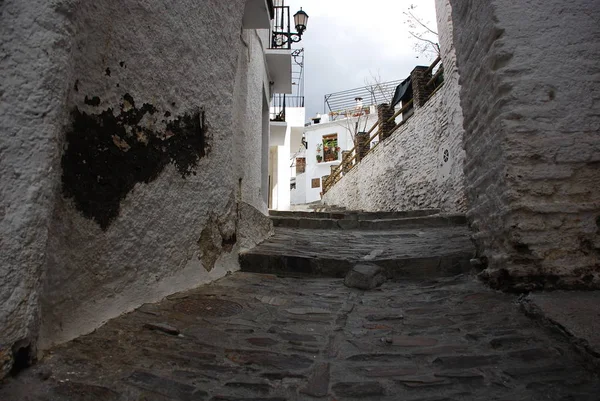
{"points": [[300, 20]]}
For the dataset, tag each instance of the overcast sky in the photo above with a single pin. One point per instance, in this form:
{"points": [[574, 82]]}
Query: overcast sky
{"points": [[346, 40]]}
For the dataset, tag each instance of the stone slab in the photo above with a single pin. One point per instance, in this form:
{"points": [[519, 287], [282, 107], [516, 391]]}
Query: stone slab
{"points": [[575, 313], [364, 276]]}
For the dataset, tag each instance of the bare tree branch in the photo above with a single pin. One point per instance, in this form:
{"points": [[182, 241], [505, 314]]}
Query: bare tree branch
{"points": [[418, 21], [419, 30], [432, 43]]}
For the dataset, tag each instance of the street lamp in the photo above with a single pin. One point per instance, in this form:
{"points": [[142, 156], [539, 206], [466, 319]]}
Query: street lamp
{"points": [[281, 37], [300, 20]]}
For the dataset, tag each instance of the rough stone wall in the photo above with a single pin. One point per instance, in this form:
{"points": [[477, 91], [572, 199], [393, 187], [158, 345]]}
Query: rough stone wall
{"points": [[530, 95], [406, 171], [121, 180], [409, 170]]}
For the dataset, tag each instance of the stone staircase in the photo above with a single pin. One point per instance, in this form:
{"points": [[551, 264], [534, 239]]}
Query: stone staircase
{"points": [[328, 242], [351, 220]]}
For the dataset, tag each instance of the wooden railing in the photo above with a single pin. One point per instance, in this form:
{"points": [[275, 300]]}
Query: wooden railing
{"points": [[353, 156]]}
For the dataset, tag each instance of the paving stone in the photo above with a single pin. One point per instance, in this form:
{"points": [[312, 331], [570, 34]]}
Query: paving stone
{"points": [[460, 374], [165, 386], [165, 328], [418, 311], [254, 387], [379, 357], [70, 390], [364, 276], [508, 341], [358, 389], [311, 351], [422, 381], [318, 381], [282, 375], [376, 326], [533, 370], [466, 361], [272, 359], [277, 301], [426, 323], [413, 341], [308, 311], [198, 355], [384, 317], [533, 354], [229, 398], [388, 372], [441, 350], [262, 341], [240, 331], [297, 337]]}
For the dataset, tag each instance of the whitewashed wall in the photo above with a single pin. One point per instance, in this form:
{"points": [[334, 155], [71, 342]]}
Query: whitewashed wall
{"points": [[407, 170], [67, 263]]}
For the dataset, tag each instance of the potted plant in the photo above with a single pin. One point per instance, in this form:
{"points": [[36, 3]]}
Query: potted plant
{"points": [[319, 158], [337, 148]]}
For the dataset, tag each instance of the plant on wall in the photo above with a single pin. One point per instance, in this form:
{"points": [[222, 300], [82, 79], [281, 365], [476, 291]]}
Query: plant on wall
{"points": [[330, 148], [319, 155]]}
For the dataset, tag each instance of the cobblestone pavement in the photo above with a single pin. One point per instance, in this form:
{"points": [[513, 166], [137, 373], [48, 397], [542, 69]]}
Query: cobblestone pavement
{"points": [[261, 337]]}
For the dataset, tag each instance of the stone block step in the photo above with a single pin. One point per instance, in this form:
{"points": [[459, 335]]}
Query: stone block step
{"points": [[353, 215], [362, 222], [410, 267], [402, 253]]}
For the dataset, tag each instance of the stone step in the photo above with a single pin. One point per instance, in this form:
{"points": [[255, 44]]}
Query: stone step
{"points": [[402, 253], [362, 221], [352, 215]]}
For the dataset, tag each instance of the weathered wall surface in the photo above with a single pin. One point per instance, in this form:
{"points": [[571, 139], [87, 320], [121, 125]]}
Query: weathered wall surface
{"points": [[122, 177], [251, 95], [530, 93], [34, 68]]}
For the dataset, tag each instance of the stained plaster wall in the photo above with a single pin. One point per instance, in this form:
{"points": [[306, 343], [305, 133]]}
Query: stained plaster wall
{"points": [[407, 170], [530, 94], [82, 242]]}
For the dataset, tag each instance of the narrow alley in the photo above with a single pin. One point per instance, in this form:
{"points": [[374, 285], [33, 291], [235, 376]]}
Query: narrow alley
{"points": [[233, 201], [293, 336]]}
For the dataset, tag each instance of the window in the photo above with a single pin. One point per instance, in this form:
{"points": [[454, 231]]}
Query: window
{"points": [[300, 165], [315, 183], [331, 150]]}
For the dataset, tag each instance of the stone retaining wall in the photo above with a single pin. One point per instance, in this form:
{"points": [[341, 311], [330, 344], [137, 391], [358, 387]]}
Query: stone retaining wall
{"points": [[421, 164], [530, 92]]}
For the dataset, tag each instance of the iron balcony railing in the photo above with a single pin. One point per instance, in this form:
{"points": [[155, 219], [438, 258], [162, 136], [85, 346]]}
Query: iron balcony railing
{"points": [[280, 101], [338, 104]]}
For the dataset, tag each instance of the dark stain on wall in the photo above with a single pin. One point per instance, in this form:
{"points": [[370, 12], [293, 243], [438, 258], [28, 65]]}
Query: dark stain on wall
{"points": [[94, 101], [108, 153]]}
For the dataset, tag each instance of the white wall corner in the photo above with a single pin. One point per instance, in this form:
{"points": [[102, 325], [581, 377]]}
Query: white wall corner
{"points": [[256, 15]]}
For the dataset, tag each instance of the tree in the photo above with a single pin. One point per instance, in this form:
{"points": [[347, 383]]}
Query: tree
{"points": [[426, 39]]}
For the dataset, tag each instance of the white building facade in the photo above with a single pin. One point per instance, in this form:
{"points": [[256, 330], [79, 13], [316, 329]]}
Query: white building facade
{"points": [[325, 142]]}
